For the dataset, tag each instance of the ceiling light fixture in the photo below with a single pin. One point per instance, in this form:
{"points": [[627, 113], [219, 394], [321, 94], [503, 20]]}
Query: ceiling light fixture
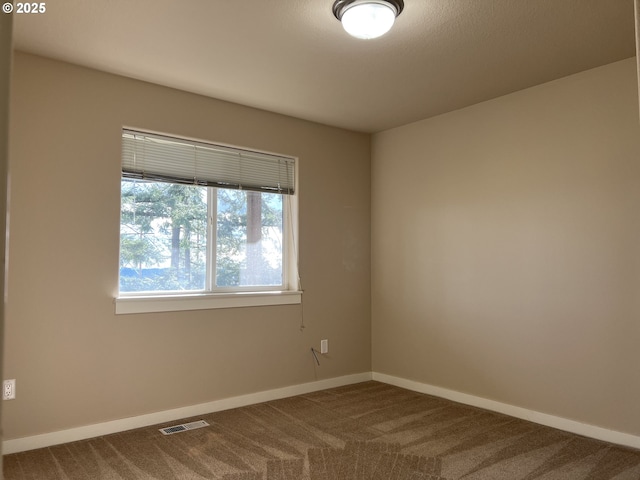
{"points": [[367, 18]]}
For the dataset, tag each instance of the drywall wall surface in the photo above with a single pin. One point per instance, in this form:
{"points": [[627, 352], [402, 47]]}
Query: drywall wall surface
{"points": [[506, 249], [76, 362], [6, 28]]}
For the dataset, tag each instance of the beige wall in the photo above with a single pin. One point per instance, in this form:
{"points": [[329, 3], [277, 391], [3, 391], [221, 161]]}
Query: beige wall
{"points": [[75, 361], [6, 27], [506, 249], [506, 254]]}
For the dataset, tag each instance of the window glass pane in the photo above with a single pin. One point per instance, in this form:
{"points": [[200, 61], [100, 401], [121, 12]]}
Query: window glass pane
{"points": [[249, 239], [163, 237]]}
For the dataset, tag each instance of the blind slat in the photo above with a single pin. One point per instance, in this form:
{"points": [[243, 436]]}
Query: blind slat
{"points": [[164, 159]]}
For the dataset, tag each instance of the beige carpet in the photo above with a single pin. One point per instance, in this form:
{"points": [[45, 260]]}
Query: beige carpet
{"points": [[367, 431]]}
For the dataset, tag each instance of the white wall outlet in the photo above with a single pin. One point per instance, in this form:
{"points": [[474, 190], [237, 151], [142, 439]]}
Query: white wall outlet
{"points": [[324, 346], [9, 389]]}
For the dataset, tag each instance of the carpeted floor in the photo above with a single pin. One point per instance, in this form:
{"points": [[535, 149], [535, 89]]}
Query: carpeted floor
{"points": [[368, 431]]}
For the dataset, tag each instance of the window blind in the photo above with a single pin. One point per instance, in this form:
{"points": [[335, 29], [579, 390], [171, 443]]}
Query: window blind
{"points": [[160, 158]]}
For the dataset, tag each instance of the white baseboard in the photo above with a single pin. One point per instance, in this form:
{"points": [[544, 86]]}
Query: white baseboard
{"points": [[90, 431], [560, 423]]}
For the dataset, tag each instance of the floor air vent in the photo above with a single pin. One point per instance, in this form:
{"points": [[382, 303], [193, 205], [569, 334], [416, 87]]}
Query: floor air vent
{"points": [[184, 427]]}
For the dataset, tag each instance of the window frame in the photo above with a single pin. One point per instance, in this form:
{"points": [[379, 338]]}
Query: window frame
{"points": [[213, 297]]}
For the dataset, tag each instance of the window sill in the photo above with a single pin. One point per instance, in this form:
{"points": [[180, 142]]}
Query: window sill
{"points": [[204, 301]]}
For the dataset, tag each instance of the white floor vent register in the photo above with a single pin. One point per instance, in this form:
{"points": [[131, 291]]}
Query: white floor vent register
{"points": [[184, 427]]}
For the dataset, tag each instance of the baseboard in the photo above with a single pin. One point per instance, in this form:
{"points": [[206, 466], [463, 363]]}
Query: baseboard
{"points": [[599, 433], [96, 430], [90, 431]]}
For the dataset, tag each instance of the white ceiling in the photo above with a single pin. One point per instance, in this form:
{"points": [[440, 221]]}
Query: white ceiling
{"points": [[292, 56]]}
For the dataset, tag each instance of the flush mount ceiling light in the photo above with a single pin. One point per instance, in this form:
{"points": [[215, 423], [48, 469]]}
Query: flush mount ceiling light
{"points": [[367, 18]]}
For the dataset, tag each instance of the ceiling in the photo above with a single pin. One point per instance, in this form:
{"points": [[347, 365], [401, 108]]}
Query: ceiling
{"points": [[293, 57]]}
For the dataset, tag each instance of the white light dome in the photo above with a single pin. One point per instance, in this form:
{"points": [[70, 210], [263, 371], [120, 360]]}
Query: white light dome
{"points": [[367, 18]]}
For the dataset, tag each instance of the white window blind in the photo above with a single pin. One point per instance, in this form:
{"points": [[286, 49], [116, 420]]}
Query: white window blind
{"points": [[159, 158]]}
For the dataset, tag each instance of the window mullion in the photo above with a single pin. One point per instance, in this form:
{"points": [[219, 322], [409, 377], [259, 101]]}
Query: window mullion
{"points": [[212, 214], [286, 231]]}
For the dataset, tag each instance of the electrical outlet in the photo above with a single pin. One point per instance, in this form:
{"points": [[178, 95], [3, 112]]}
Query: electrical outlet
{"points": [[324, 346], [9, 389]]}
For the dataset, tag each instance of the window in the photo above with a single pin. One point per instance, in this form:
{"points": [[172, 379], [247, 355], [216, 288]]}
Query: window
{"points": [[201, 221]]}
